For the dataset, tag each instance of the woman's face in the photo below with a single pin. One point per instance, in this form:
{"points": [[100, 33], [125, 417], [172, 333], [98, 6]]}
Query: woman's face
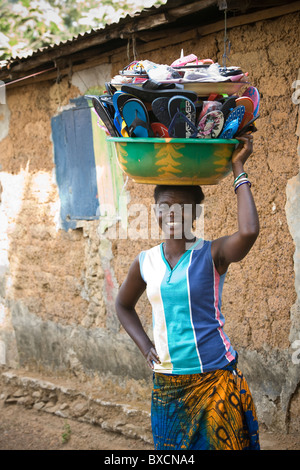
{"points": [[175, 213]]}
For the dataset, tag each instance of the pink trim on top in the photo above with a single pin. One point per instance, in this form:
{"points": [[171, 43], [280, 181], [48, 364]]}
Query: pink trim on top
{"points": [[226, 343]]}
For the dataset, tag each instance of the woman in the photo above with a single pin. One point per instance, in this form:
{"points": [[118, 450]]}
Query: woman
{"points": [[200, 400]]}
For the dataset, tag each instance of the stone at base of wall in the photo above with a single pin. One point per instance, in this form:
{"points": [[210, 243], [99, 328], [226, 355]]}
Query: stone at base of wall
{"points": [[70, 403]]}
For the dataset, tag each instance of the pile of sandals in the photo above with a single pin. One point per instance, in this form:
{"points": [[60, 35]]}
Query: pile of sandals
{"points": [[185, 100]]}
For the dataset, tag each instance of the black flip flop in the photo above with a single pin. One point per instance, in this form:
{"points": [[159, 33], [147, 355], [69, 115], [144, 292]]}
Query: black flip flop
{"points": [[248, 127], [147, 95], [104, 115], [154, 85], [228, 106], [160, 110], [110, 88], [183, 117]]}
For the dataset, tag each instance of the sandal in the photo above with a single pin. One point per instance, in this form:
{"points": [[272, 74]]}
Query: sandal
{"points": [[253, 94], [182, 112], [104, 114], [160, 110], [150, 95], [210, 125], [136, 118]]}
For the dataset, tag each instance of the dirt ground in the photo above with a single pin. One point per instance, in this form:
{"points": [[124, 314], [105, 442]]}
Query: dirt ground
{"points": [[28, 429]]}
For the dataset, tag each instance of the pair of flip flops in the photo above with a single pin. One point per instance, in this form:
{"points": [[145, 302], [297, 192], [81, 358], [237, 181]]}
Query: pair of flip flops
{"points": [[235, 117], [213, 124], [177, 115], [250, 100], [131, 116], [224, 122]]}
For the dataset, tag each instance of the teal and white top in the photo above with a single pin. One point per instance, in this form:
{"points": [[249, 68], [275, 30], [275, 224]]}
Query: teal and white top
{"points": [[186, 305]]}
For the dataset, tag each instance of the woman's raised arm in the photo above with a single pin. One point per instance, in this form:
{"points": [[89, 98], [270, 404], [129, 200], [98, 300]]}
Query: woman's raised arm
{"points": [[229, 249]]}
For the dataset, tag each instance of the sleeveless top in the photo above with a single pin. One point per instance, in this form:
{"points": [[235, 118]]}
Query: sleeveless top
{"points": [[186, 306]]}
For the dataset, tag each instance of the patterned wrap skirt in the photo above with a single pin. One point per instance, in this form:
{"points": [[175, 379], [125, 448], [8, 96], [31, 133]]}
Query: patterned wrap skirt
{"points": [[208, 411]]}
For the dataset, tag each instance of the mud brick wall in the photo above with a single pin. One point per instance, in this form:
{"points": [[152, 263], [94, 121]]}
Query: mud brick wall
{"points": [[55, 312]]}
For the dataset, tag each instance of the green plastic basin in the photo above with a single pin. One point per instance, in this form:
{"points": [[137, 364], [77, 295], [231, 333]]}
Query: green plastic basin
{"points": [[174, 161]]}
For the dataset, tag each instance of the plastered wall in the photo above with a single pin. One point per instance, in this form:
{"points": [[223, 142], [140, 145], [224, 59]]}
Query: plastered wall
{"points": [[57, 288]]}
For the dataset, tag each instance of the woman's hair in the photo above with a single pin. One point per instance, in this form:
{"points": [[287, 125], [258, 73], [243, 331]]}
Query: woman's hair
{"points": [[196, 191]]}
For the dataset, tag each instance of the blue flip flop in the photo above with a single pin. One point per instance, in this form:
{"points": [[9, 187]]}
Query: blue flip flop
{"points": [[182, 112], [236, 116], [230, 129], [236, 113], [119, 99], [136, 118], [117, 116]]}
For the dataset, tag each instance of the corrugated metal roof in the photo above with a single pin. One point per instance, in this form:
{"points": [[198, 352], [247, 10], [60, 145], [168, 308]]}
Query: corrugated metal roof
{"points": [[173, 13], [122, 20]]}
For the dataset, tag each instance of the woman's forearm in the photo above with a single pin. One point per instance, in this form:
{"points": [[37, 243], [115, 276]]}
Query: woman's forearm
{"points": [[132, 325], [248, 222]]}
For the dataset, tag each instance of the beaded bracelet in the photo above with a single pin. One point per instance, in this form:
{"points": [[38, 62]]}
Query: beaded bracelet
{"points": [[240, 184], [238, 177]]}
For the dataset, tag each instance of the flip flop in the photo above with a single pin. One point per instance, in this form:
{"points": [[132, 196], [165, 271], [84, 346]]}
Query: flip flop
{"points": [[209, 106], [136, 118], [124, 129], [236, 113], [147, 95], [115, 97], [110, 88], [104, 115], [210, 125], [253, 93], [182, 112], [119, 100], [180, 121], [185, 60], [247, 102], [228, 105], [159, 130], [230, 129], [249, 127], [160, 110], [154, 85], [247, 117], [117, 115]]}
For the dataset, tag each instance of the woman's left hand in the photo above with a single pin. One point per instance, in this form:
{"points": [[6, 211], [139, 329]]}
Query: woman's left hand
{"points": [[244, 150]]}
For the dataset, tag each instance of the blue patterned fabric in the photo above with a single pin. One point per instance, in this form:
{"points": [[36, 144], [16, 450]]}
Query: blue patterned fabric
{"points": [[208, 411]]}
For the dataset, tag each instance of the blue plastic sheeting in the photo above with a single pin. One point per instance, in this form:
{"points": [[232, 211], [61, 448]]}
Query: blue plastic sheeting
{"points": [[74, 159]]}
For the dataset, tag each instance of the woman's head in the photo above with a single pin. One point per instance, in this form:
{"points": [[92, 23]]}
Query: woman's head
{"points": [[194, 191], [177, 207]]}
